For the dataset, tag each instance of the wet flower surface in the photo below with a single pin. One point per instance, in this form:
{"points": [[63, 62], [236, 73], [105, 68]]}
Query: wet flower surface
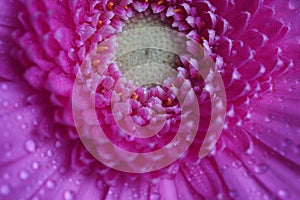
{"points": [[255, 46]]}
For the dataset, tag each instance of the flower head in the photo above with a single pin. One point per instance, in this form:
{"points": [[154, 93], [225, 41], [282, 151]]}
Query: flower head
{"points": [[48, 47]]}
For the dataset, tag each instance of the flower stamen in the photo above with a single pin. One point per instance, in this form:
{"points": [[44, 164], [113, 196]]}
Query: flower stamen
{"points": [[160, 2], [135, 96], [99, 24], [101, 48], [96, 63], [169, 102], [178, 10], [110, 6]]}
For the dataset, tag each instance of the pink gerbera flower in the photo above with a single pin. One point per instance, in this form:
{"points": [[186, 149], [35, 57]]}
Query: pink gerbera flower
{"points": [[48, 48]]}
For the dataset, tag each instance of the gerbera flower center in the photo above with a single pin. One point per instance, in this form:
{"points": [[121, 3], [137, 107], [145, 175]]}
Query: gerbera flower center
{"points": [[143, 48], [140, 125]]}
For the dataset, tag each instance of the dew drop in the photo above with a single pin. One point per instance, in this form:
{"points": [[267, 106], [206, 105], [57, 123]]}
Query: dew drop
{"points": [[78, 182], [248, 174], [224, 168], [100, 185], [293, 4], [5, 190], [260, 168], [35, 122], [16, 105], [40, 182], [250, 150], [8, 154], [24, 175], [30, 146], [42, 192], [6, 176], [154, 196], [233, 194], [62, 170], [49, 153], [135, 195], [43, 155], [237, 164], [4, 87], [5, 103], [220, 196], [35, 165], [271, 117], [286, 142], [283, 194], [297, 149], [24, 126], [50, 184], [58, 144], [69, 195], [282, 98], [19, 117]]}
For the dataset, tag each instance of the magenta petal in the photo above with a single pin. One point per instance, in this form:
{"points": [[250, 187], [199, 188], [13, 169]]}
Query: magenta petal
{"points": [[65, 38], [59, 83], [9, 67], [139, 6], [280, 113], [13, 96], [255, 45], [137, 188], [255, 39], [206, 180], [234, 174]]}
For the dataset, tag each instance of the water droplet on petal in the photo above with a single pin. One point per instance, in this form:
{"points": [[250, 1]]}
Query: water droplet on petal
{"points": [[297, 149], [49, 153], [16, 105], [35, 165], [233, 194], [69, 195], [154, 196], [19, 117], [135, 196], [50, 184], [251, 161], [283, 194], [286, 142], [62, 170], [78, 182], [237, 164], [5, 103], [24, 175], [6, 176], [30, 146], [42, 192], [58, 144], [24, 126], [8, 154], [220, 196], [260, 168], [293, 4], [282, 98], [4, 86], [4, 190], [35, 122]]}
